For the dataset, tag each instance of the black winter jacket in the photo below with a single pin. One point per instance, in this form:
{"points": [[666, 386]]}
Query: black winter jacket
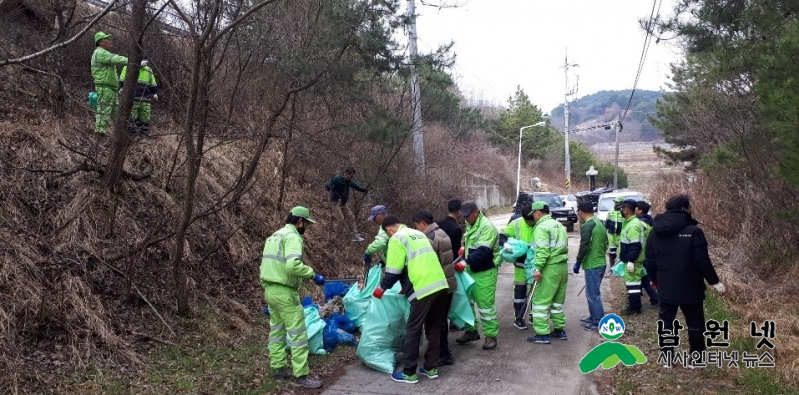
{"points": [[677, 259]]}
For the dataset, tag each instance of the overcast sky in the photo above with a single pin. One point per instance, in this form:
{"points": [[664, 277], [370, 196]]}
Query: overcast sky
{"points": [[504, 43]]}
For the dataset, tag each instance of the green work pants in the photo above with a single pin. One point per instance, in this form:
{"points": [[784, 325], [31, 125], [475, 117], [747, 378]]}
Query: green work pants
{"points": [[107, 104], [286, 322], [548, 298], [483, 295], [140, 111]]}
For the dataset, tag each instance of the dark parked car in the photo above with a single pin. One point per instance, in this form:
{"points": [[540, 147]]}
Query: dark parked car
{"points": [[560, 213], [592, 196]]}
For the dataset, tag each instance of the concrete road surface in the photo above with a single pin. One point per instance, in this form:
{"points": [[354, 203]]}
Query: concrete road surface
{"points": [[514, 367]]}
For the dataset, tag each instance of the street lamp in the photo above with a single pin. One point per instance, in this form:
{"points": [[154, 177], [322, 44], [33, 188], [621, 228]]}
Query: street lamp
{"points": [[519, 165]]}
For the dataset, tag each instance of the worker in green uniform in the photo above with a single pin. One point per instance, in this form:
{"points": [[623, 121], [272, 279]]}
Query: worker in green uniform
{"points": [[104, 73], [521, 229], [379, 246], [631, 252], [481, 256], [550, 272], [146, 91], [282, 272], [413, 262], [613, 225]]}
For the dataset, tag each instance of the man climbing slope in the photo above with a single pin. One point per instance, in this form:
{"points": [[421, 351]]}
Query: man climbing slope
{"points": [[339, 188]]}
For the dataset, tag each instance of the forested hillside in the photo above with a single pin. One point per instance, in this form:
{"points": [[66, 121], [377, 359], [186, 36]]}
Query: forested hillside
{"points": [[605, 106]]}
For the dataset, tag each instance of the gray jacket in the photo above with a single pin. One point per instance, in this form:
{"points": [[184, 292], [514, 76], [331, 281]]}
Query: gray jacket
{"points": [[443, 248]]}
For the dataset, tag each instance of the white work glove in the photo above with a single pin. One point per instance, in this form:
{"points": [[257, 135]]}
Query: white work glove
{"points": [[719, 288], [508, 247], [155, 97], [630, 267]]}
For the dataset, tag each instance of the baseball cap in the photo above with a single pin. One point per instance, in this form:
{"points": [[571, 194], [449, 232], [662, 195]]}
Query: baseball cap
{"points": [[539, 205], [619, 199], [467, 208], [379, 209], [585, 207], [100, 35], [303, 213]]}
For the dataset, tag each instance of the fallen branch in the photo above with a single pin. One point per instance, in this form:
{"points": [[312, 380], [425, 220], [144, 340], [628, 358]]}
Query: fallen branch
{"points": [[61, 44], [135, 288], [153, 338]]}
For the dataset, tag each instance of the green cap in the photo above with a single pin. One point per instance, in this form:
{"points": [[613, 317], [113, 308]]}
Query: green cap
{"points": [[539, 205], [619, 199], [100, 35], [302, 212]]}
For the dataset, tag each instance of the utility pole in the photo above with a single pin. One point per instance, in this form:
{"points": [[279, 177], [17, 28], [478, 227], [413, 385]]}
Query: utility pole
{"points": [[569, 92], [416, 102], [617, 127]]}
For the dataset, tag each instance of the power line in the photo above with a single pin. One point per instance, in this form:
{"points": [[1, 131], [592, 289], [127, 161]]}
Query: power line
{"points": [[644, 51]]}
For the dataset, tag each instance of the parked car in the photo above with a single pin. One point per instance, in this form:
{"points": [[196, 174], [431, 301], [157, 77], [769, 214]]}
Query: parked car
{"points": [[561, 213], [569, 201], [592, 196], [606, 201]]}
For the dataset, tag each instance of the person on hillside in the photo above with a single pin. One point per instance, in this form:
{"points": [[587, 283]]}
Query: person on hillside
{"points": [[678, 263], [442, 245], [282, 272], [549, 269], [520, 229], [450, 224], [413, 262], [104, 74], [591, 257], [613, 224], [642, 212], [631, 253], [481, 257], [146, 91], [339, 188], [380, 244]]}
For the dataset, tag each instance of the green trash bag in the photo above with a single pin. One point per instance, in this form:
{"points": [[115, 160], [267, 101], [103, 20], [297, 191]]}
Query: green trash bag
{"points": [[620, 268], [460, 311], [517, 249], [383, 330], [315, 326], [356, 301], [93, 100]]}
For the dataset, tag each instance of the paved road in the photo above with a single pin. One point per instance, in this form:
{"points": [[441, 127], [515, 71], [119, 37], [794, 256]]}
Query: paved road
{"points": [[514, 367]]}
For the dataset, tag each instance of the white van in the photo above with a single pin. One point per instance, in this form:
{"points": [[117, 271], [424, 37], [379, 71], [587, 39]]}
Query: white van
{"points": [[606, 201]]}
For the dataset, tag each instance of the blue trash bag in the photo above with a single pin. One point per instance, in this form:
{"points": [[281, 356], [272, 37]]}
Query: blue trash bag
{"points": [[518, 248], [346, 339], [307, 301], [356, 301], [344, 322], [334, 289], [330, 335]]}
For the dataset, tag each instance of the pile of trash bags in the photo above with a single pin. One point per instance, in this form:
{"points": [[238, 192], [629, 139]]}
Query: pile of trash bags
{"points": [[380, 322]]}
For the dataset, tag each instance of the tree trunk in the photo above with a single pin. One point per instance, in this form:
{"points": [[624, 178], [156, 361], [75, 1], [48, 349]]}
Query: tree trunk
{"points": [[120, 137], [181, 294]]}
